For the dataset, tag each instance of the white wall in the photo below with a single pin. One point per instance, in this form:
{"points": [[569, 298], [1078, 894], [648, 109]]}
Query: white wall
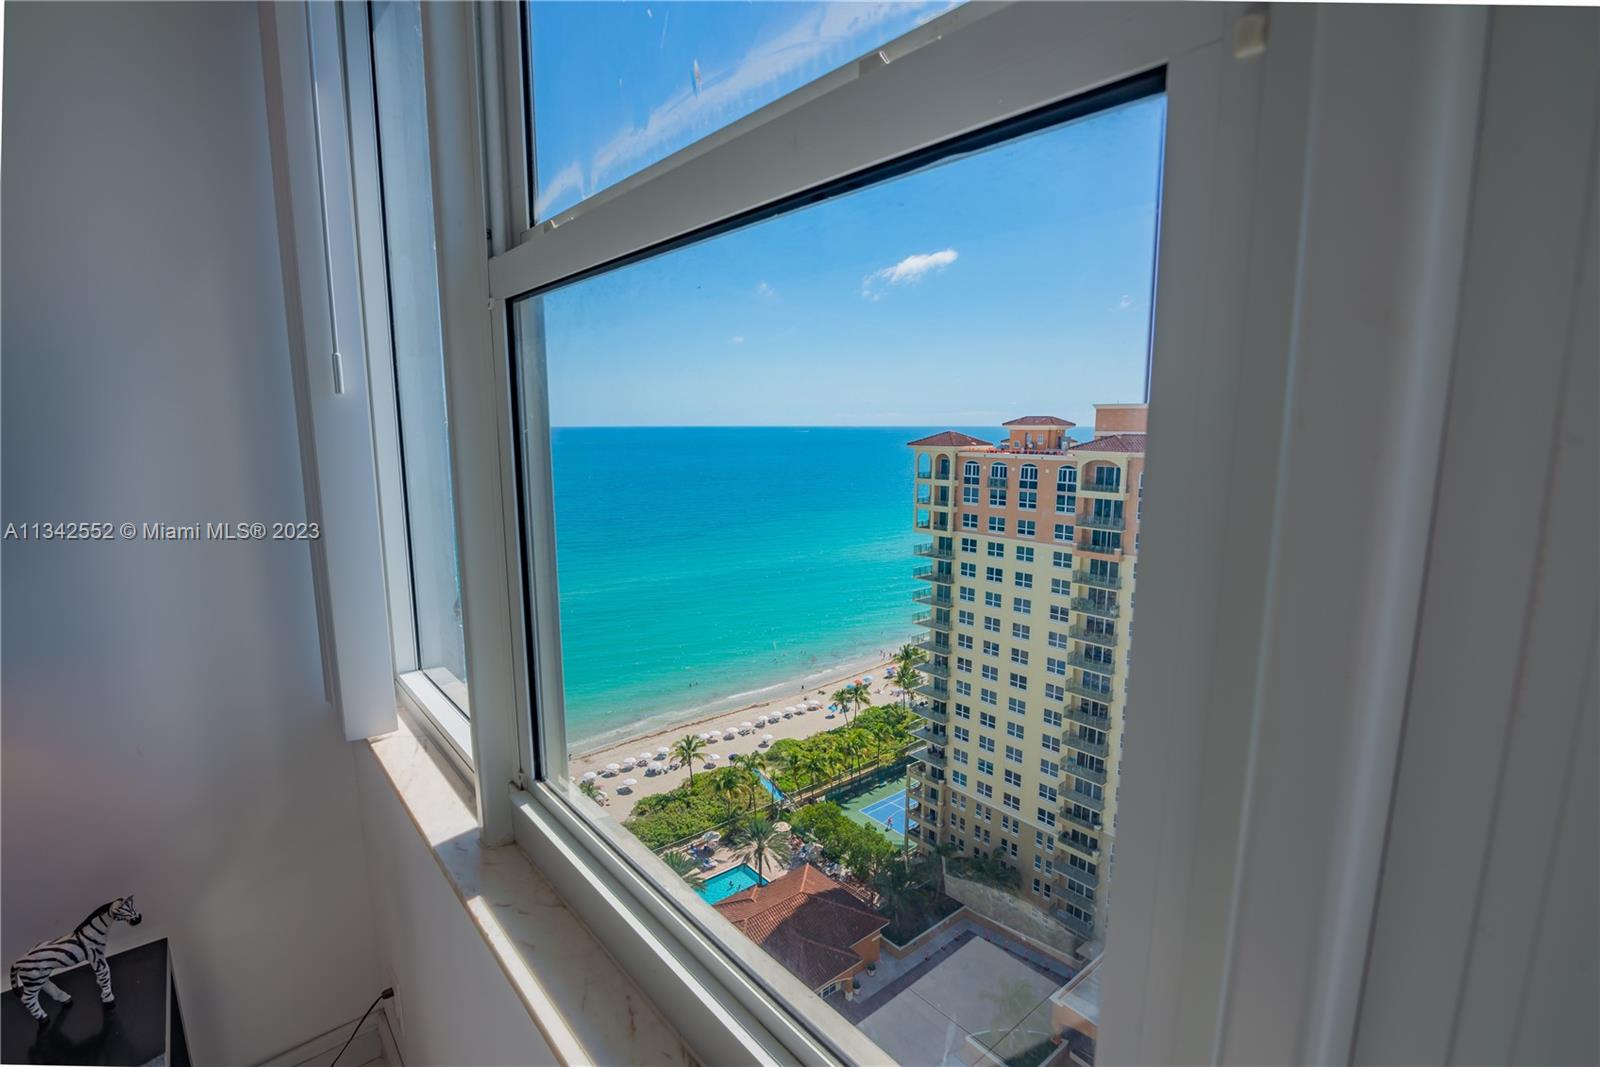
{"points": [[165, 730], [456, 1004]]}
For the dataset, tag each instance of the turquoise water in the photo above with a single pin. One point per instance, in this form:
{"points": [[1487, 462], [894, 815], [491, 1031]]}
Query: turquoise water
{"points": [[705, 568], [726, 883], [767, 784]]}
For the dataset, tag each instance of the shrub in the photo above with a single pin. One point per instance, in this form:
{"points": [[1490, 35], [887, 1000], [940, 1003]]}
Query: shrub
{"points": [[687, 811]]}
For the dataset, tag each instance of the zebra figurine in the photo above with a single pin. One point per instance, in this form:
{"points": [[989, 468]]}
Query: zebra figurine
{"points": [[31, 974]]}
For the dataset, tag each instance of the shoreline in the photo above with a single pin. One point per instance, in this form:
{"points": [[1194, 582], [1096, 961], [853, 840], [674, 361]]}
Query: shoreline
{"points": [[621, 799], [801, 687]]}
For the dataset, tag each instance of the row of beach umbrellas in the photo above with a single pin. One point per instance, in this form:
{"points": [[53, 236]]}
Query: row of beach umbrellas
{"points": [[657, 762]]}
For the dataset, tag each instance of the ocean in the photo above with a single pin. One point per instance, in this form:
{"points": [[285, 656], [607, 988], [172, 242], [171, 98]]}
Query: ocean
{"points": [[705, 568]]}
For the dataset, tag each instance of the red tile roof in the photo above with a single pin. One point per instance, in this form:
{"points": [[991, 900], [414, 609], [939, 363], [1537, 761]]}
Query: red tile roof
{"points": [[1113, 442], [806, 921], [951, 437], [1039, 420]]}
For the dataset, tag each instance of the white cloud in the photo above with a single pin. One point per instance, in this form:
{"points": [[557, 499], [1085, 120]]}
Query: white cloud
{"points": [[736, 339], [908, 270], [1125, 304], [765, 291]]}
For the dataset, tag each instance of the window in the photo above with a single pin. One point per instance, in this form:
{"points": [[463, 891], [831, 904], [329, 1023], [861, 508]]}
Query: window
{"points": [[612, 94], [1024, 553], [413, 324], [1023, 580], [588, 322]]}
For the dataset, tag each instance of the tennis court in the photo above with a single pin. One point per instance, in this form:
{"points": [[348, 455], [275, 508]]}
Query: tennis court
{"points": [[883, 808]]}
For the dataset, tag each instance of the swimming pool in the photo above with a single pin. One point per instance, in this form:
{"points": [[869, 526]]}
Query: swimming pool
{"points": [[726, 883], [766, 783]]}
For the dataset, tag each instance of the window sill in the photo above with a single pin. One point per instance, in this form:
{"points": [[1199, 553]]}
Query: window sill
{"points": [[585, 1006]]}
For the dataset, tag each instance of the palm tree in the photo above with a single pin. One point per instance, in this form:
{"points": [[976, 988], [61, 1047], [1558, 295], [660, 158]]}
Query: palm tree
{"points": [[853, 747], [733, 786], [844, 697], [861, 694], [590, 790], [688, 747], [813, 765], [763, 843], [755, 765], [906, 679], [896, 889], [938, 852], [684, 866], [909, 656], [882, 733]]}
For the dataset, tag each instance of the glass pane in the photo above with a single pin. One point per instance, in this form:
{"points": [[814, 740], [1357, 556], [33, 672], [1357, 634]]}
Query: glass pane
{"points": [[418, 348], [619, 86], [846, 504]]}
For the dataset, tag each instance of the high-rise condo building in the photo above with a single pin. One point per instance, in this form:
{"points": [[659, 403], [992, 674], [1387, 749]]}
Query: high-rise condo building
{"points": [[1029, 611]]}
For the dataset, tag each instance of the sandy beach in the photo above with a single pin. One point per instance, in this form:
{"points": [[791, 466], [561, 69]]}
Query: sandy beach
{"points": [[621, 799]]}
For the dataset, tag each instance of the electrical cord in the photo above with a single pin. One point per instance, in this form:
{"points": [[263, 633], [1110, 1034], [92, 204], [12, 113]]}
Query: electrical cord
{"points": [[385, 995]]}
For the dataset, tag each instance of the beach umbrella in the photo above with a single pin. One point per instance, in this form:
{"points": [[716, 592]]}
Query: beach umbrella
{"points": [[710, 836], [728, 734], [781, 827], [627, 763], [663, 751], [658, 765], [613, 768], [766, 739], [630, 782], [746, 727], [589, 776], [644, 757]]}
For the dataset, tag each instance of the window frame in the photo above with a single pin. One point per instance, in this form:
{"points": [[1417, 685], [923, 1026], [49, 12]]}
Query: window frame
{"points": [[734, 1001]]}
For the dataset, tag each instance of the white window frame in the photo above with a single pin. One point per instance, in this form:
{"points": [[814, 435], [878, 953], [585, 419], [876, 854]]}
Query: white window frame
{"points": [[1242, 231]]}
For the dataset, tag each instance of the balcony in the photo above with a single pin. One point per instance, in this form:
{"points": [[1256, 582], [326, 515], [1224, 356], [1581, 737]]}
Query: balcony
{"points": [[1104, 581], [1101, 522], [1093, 636], [1076, 713], [933, 620], [1094, 748], [1101, 488], [1100, 666], [1088, 774], [1071, 922], [1104, 609], [933, 714], [1094, 804], [1092, 823], [937, 645], [935, 690], [1103, 549], [933, 574], [933, 670], [1083, 900], [1102, 695], [1079, 874], [940, 599], [935, 552], [933, 757]]}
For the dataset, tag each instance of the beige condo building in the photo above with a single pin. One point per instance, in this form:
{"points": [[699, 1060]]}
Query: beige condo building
{"points": [[1029, 611]]}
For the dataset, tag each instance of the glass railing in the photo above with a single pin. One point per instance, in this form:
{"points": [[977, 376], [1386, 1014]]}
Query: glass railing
{"points": [[1097, 637], [1101, 522], [1104, 581], [1096, 607]]}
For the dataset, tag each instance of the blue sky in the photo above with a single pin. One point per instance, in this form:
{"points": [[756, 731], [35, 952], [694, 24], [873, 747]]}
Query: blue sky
{"points": [[966, 293]]}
